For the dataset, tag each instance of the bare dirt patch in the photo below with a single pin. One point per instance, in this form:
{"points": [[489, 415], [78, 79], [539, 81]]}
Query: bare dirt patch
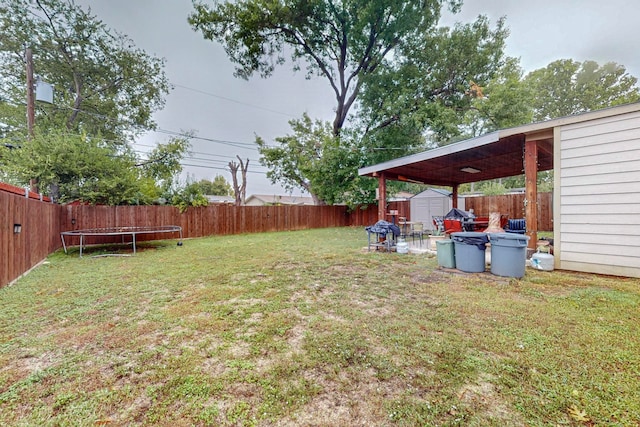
{"points": [[482, 397]]}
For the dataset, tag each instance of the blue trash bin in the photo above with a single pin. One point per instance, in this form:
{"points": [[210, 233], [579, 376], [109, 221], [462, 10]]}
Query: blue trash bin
{"points": [[470, 249], [508, 254]]}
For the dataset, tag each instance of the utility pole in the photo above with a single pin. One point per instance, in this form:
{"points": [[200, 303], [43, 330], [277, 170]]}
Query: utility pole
{"points": [[31, 101], [31, 108]]}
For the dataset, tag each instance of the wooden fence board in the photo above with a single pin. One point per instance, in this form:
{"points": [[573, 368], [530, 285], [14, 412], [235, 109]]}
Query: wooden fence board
{"points": [[512, 205]]}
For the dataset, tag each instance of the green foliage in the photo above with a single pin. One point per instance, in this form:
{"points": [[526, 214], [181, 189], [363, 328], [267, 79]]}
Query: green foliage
{"points": [[433, 81], [492, 188], [566, 87], [189, 195], [505, 102], [103, 83], [77, 167], [218, 187], [296, 161], [163, 163], [342, 42]]}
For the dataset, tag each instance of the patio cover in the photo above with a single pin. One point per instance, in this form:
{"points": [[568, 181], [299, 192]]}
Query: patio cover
{"points": [[498, 154], [508, 152], [520, 150]]}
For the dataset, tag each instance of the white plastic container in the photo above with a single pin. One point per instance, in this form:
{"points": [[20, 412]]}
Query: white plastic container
{"points": [[402, 247], [542, 261]]}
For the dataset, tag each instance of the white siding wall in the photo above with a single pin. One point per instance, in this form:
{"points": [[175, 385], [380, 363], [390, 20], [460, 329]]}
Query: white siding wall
{"points": [[599, 183]]}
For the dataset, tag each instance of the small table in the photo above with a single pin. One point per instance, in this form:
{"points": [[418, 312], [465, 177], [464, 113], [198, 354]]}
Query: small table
{"points": [[473, 225], [384, 240]]}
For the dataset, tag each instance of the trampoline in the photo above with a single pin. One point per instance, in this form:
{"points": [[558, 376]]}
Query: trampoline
{"points": [[119, 231]]}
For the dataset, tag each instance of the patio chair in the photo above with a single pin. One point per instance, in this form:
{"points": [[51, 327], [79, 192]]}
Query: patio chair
{"points": [[417, 230], [452, 226], [438, 224], [516, 226]]}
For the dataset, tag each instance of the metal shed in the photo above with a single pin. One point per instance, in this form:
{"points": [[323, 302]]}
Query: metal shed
{"points": [[595, 157]]}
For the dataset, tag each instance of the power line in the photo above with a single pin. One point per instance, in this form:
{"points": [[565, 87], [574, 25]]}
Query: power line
{"points": [[237, 144], [194, 152], [244, 145], [218, 168], [233, 100]]}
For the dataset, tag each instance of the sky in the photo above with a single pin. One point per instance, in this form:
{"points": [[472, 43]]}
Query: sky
{"points": [[228, 112]]}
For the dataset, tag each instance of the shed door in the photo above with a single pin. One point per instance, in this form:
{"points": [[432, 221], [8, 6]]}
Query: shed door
{"points": [[424, 209]]}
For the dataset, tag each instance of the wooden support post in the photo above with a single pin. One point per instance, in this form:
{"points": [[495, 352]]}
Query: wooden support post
{"points": [[382, 197], [531, 191], [454, 195]]}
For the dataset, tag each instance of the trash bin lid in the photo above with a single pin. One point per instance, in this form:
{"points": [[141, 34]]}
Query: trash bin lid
{"points": [[474, 238], [508, 239], [469, 234], [508, 236]]}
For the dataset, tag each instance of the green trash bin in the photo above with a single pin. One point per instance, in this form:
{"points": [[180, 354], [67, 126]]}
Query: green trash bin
{"points": [[446, 253]]}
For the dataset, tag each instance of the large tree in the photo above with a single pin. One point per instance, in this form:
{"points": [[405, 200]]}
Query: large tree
{"points": [[293, 162], [341, 41], [566, 87], [562, 88], [426, 89], [504, 102], [218, 187], [81, 167], [103, 83], [105, 91]]}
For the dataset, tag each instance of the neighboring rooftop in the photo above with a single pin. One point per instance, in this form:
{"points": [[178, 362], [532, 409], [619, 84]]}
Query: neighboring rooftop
{"points": [[220, 199], [274, 199]]}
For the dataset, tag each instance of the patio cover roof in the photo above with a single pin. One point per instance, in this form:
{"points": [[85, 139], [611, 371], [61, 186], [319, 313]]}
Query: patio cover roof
{"points": [[495, 155]]}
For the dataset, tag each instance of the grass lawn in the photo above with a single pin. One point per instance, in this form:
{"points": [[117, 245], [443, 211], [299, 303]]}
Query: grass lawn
{"points": [[306, 328]]}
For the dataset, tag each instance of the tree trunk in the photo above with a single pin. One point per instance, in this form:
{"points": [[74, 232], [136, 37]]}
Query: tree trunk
{"points": [[233, 166], [239, 190], [243, 187]]}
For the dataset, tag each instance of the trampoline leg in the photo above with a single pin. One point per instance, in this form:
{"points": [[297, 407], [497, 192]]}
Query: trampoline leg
{"points": [[81, 244], [134, 243], [63, 244]]}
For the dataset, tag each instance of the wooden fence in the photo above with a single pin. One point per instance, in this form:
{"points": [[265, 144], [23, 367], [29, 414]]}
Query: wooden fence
{"points": [[38, 236], [513, 206], [210, 220], [41, 224]]}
